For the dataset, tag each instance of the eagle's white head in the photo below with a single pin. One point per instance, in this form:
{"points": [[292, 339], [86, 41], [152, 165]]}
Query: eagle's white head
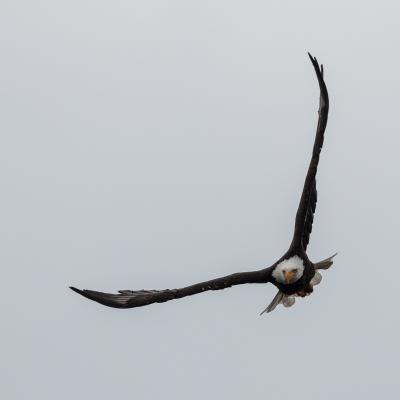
{"points": [[289, 271]]}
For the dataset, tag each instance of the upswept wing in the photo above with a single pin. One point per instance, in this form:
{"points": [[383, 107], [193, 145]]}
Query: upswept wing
{"points": [[139, 298], [308, 201]]}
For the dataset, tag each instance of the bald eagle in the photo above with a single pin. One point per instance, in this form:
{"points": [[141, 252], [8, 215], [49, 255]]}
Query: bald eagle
{"points": [[293, 274]]}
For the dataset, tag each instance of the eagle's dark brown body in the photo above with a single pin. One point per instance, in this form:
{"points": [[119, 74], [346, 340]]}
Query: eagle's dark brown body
{"points": [[298, 247]]}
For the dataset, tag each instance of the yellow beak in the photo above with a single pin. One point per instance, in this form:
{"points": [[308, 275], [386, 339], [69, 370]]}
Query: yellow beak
{"points": [[289, 276]]}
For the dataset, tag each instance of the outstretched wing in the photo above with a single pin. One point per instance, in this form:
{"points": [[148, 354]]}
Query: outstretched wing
{"points": [[308, 201], [139, 298]]}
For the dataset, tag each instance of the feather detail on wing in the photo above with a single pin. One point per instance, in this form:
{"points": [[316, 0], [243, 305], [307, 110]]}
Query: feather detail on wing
{"points": [[308, 201], [139, 298]]}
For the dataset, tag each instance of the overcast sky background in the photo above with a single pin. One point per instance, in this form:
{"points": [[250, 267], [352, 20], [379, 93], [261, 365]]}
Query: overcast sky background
{"points": [[155, 144]]}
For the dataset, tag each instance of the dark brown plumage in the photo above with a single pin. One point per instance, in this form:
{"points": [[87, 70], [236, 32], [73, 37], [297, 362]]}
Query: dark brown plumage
{"points": [[298, 247], [308, 201]]}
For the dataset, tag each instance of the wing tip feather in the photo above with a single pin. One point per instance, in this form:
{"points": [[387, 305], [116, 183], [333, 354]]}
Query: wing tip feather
{"points": [[75, 289]]}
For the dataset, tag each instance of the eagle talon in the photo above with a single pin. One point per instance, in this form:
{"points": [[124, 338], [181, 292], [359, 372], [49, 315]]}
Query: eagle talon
{"points": [[305, 292]]}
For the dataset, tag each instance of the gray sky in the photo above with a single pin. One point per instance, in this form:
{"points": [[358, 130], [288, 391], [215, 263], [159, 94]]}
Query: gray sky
{"points": [[154, 144]]}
